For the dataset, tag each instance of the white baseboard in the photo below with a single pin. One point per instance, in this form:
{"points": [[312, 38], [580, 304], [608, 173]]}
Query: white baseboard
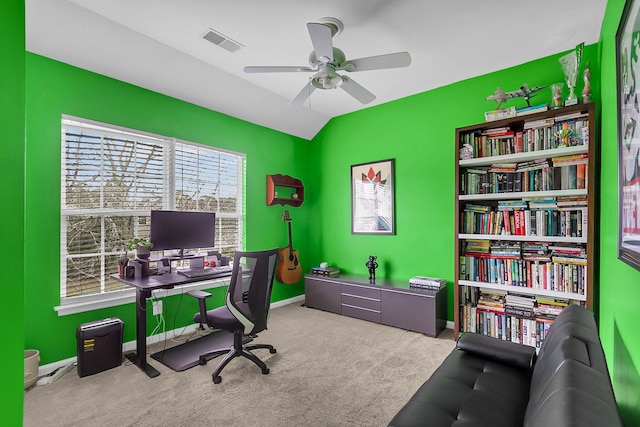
{"points": [[450, 324], [284, 302], [152, 339], [51, 367]]}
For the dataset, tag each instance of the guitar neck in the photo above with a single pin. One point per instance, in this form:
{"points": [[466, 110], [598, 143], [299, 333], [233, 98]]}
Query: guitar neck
{"points": [[290, 238]]}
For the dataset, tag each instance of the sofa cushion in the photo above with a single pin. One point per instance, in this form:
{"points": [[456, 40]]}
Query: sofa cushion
{"points": [[569, 349], [576, 395], [570, 385], [468, 391], [573, 321]]}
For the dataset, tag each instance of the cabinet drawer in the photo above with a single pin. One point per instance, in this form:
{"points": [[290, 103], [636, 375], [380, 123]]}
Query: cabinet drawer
{"points": [[364, 302], [361, 291], [361, 313]]}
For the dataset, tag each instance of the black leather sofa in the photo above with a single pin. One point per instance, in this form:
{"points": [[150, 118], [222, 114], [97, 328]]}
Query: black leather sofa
{"points": [[493, 383]]}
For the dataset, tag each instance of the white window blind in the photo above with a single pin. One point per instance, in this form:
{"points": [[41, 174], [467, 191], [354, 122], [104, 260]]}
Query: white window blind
{"points": [[113, 177]]}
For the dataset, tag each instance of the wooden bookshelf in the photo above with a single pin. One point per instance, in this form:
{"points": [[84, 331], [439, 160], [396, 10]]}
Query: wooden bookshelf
{"points": [[542, 170]]}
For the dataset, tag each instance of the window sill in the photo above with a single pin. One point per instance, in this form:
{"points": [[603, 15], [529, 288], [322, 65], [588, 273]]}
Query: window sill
{"points": [[129, 297]]}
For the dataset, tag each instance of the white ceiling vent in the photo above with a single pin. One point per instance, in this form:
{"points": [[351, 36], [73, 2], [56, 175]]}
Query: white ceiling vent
{"points": [[221, 40]]}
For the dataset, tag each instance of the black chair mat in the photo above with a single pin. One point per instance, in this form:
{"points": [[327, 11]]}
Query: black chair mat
{"points": [[187, 355]]}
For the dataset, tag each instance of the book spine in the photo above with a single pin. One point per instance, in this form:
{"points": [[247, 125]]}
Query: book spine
{"points": [[427, 287]]}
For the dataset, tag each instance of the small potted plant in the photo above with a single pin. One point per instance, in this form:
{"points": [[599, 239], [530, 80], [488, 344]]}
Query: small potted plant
{"points": [[141, 246]]}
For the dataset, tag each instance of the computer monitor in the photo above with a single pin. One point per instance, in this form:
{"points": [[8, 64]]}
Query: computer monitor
{"points": [[171, 230]]}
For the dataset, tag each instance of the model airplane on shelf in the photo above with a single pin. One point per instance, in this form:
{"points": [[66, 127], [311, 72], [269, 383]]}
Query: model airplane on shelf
{"points": [[524, 92]]}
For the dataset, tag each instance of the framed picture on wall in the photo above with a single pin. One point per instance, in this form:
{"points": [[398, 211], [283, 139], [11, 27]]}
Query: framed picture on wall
{"points": [[628, 67], [372, 198]]}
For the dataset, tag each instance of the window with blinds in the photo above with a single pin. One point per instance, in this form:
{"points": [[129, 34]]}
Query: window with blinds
{"points": [[113, 177]]}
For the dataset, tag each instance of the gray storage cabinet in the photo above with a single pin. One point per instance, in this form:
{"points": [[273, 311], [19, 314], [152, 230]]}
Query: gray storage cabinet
{"points": [[389, 302]]}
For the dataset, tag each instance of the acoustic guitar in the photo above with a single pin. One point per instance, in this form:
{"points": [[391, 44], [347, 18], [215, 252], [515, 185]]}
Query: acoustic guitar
{"points": [[289, 270]]}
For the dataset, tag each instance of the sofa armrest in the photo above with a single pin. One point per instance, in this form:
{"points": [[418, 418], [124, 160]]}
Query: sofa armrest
{"points": [[513, 354]]}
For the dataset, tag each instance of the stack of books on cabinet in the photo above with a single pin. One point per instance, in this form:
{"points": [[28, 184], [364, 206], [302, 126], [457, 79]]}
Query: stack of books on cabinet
{"points": [[430, 283], [525, 193], [325, 271]]}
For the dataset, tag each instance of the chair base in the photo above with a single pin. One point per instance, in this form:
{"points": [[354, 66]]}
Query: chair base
{"points": [[238, 350]]}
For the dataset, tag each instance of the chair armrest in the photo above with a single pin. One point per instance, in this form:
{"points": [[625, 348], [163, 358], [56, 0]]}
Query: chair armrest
{"points": [[199, 294], [510, 353], [202, 304]]}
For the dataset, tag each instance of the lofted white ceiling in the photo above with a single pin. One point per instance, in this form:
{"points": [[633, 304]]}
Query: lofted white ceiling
{"points": [[158, 45]]}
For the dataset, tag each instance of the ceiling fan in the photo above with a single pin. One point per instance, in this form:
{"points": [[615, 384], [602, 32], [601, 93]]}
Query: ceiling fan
{"points": [[325, 60]]}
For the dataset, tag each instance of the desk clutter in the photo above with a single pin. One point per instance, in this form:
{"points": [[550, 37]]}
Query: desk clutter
{"points": [[212, 262]]}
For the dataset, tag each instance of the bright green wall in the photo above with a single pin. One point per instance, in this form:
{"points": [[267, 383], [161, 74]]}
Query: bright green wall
{"points": [[12, 123], [619, 283], [53, 89], [419, 133]]}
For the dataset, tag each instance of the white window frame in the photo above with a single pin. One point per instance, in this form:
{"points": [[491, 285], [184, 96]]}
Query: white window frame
{"points": [[77, 304]]}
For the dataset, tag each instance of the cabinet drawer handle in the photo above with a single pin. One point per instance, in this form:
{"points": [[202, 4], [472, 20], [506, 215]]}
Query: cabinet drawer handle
{"points": [[361, 308], [361, 297]]}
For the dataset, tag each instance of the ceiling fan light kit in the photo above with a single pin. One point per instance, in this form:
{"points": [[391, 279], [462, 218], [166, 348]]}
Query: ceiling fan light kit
{"points": [[325, 60]]}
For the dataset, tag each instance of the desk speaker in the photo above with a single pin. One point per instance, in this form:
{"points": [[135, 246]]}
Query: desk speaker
{"points": [[99, 346]]}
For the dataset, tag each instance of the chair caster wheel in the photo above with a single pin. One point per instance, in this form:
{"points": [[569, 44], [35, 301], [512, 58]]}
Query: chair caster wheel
{"points": [[202, 361], [273, 350], [217, 380], [265, 371]]}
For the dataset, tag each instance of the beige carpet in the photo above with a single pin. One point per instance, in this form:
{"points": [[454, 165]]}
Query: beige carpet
{"points": [[329, 370]]}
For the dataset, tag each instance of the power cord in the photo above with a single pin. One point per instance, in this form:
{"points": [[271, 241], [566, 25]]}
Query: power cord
{"points": [[160, 327]]}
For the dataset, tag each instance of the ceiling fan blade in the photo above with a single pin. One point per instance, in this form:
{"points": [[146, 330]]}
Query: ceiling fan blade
{"points": [[357, 91], [276, 69], [303, 95], [321, 40], [390, 60]]}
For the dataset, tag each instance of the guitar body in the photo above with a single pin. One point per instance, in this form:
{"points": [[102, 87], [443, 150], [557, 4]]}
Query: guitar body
{"points": [[289, 270]]}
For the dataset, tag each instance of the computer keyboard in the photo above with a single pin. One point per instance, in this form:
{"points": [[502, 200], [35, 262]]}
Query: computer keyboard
{"points": [[212, 272]]}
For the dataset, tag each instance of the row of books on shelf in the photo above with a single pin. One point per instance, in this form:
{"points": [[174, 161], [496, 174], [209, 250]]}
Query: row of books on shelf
{"points": [[538, 251], [544, 162], [424, 282], [543, 176], [556, 273], [499, 299], [516, 329], [526, 219], [325, 271], [544, 134], [510, 316]]}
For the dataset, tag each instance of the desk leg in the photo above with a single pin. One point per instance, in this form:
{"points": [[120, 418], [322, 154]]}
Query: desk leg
{"points": [[140, 357]]}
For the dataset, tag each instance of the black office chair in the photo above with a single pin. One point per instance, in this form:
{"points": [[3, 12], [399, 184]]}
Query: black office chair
{"points": [[246, 310]]}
